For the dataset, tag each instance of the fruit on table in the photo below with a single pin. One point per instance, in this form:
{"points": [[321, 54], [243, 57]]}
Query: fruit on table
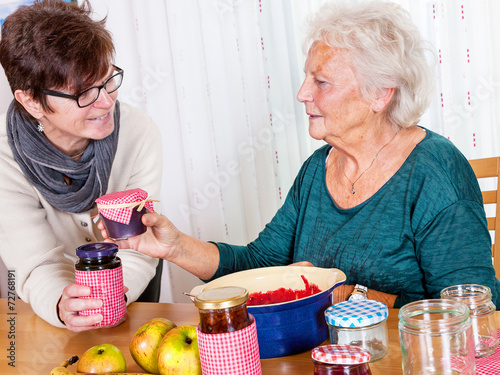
{"points": [[178, 352], [282, 294], [145, 342], [62, 369], [101, 359]]}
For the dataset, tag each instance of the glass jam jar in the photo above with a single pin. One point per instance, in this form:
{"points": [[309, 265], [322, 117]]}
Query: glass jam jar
{"points": [[360, 323], [482, 314], [436, 338], [100, 269], [121, 212], [223, 309], [341, 360]]}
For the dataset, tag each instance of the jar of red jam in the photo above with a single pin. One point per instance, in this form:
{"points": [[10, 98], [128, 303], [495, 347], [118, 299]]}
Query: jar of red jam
{"points": [[223, 310], [341, 360], [227, 333]]}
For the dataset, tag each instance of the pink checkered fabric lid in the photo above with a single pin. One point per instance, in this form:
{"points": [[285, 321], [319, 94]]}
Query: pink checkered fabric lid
{"points": [[231, 353], [489, 365], [118, 206], [340, 354], [106, 285]]}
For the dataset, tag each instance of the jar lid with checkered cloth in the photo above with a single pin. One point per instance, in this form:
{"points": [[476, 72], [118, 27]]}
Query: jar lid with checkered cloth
{"points": [[340, 354], [358, 313]]}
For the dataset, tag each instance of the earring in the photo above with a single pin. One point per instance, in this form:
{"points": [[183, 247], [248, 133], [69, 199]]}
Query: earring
{"points": [[40, 127]]}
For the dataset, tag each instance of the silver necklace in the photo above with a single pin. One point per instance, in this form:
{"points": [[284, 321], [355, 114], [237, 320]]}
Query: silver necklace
{"points": [[371, 164]]}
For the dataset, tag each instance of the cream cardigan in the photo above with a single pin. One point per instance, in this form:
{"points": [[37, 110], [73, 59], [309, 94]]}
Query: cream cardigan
{"points": [[38, 241]]}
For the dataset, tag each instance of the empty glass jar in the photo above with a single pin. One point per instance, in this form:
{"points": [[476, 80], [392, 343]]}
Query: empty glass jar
{"points": [[361, 323], [436, 338], [482, 313]]}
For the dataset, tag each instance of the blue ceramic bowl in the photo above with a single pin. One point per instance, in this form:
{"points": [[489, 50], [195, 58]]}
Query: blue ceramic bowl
{"points": [[289, 327]]}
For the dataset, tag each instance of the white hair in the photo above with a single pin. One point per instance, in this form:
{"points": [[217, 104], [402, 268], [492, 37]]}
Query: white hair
{"points": [[385, 49]]}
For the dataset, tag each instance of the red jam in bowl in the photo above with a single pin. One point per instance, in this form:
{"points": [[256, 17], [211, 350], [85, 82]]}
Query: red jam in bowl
{"points": [[283, 294]]}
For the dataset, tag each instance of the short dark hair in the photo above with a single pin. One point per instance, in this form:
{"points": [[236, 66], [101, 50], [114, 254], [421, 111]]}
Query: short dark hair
{"points": [[54, 44]]}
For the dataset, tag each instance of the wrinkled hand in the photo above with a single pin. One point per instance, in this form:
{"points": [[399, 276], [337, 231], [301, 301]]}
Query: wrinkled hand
{"points": [[342, 293], [161, 240], [70, 304]]}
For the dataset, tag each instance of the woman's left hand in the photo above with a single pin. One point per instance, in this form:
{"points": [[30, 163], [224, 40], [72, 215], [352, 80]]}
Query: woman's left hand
{"points": [[71, 303], [343, 292]]}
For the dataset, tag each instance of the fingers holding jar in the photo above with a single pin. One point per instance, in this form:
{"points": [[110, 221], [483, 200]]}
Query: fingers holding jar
{"points": [[71, 303]]}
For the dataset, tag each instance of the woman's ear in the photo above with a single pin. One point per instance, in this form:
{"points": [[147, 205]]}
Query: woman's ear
{"points": [[382, 99], [32, 106]]}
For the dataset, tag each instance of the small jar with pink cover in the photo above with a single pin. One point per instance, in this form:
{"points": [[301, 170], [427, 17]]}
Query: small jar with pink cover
{"points": [[122, 212]]}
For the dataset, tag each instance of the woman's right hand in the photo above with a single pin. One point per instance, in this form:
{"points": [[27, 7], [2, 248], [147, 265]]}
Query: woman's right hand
{"points": [[70, 304], [161, 240]]}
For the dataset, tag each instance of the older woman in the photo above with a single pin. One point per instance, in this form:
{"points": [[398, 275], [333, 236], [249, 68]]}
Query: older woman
{"points": [[64, 142], [392, 204]]}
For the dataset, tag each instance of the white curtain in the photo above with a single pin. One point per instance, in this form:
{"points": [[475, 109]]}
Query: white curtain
{"points": [[220, 77]]}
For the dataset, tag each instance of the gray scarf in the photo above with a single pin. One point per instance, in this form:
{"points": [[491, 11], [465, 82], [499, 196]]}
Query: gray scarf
{"points": [[45, 166]]}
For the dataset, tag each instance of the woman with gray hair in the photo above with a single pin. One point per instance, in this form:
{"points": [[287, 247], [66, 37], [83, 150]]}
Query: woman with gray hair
{"points": [[394, 205]]}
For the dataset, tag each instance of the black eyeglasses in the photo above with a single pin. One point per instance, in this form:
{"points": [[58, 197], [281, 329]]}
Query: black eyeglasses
{"points": [[89, 96]]}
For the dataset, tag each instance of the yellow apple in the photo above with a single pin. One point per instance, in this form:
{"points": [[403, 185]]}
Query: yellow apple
{"points": [[101, 359], [144, 344], [178, 352]]}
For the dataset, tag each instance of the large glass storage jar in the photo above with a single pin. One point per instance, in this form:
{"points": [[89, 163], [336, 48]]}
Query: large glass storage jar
{"points": [[340, 360], [360, 323], [482, 313], [436, 338]]}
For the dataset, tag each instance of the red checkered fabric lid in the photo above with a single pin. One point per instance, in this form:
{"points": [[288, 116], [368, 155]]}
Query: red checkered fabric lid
{"points": [[106, 285], [340, 354], [231, 353], [118, 206]]}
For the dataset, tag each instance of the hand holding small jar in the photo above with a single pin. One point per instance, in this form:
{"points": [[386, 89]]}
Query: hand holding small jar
{"points": [[163, 240]]}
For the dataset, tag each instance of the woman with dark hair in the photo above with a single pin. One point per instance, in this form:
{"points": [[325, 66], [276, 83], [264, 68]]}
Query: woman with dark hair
{"points": [[64, 142], [392, 204]]}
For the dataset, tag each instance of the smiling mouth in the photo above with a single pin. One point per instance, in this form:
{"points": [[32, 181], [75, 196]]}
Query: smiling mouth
{"points": [[100, 118]]}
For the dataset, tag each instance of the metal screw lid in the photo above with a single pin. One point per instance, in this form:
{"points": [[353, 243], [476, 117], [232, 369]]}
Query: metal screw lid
{"points": [[221, 298]]}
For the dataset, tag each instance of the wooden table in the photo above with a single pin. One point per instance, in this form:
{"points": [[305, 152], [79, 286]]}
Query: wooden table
{"points": [[39, 347]]}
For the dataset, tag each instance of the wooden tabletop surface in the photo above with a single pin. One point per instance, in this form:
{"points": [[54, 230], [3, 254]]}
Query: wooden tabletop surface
{"points": [[37, 347]]}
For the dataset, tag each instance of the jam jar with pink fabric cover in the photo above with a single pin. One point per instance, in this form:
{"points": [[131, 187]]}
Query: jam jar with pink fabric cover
{"points": [[99, 268], [122, 212], [227, 333]]}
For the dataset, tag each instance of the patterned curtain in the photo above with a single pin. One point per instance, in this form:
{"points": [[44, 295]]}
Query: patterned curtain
{"points": [[220, 77]]}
